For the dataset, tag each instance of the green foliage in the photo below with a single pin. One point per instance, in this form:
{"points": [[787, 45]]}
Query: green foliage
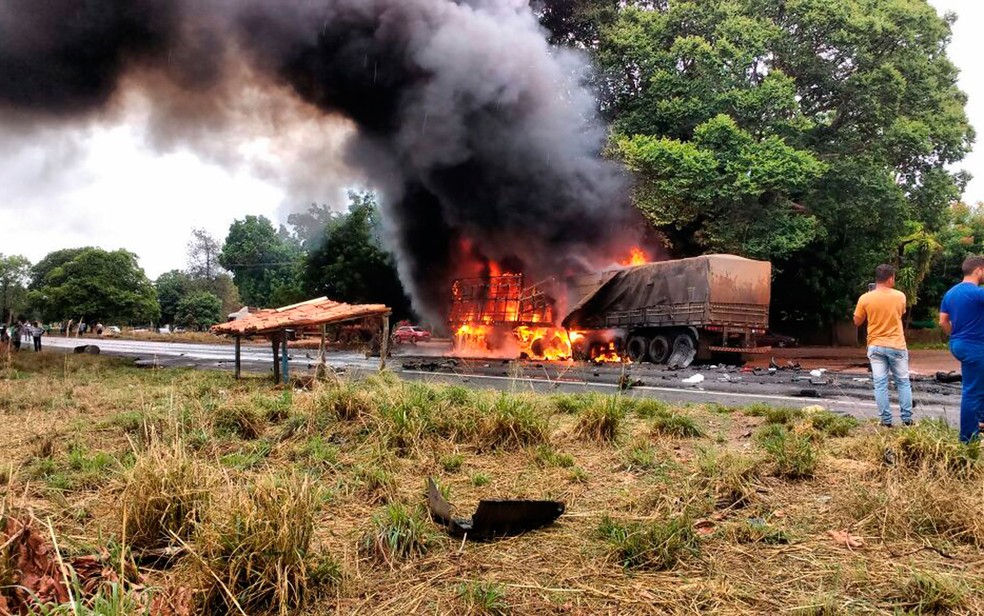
{"points": [[773, 414], [199, 309], [795, 454], [480, 479], [485, 598], [397, 533], [15, 273], [929, 593], [452, 463], [95, 285], [265, 263], [346, 260], [832, 424], [171, 287], [674, 423], [816, 134], [933, 445], [601, 419], [547, 456], [656, 546]]}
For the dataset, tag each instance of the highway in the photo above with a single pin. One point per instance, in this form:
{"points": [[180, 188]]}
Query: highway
{"points": [[847, 393]]}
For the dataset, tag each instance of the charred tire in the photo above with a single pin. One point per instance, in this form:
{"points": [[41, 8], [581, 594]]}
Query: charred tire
{"points": [[684, 350], [659, 349], [637, 349]]}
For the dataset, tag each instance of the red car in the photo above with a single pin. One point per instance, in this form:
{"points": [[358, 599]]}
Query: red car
{"points": [[411, 334]]}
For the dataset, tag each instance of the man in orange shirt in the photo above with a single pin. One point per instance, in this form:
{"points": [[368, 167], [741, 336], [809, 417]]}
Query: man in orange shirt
{"points": [[882, 308]]}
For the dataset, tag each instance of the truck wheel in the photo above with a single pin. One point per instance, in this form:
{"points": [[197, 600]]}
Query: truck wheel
{"points": [[659, 349], [636, 349]]}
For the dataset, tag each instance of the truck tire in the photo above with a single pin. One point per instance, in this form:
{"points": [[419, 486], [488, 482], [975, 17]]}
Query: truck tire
{"points": [[659, 349], [637, 349]]}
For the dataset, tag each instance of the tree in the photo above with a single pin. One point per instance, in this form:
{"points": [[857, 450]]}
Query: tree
{"points": [[50, 262], [97, 285], [348, 263], [171, 287], [203, 255], [960, 237], [15, 273], [264, 263], [199, 310], [811, 132]]}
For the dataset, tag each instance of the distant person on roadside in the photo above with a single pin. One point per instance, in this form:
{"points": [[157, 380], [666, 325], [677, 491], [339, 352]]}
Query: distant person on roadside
{"points": [[36, 332], [962, 317], [882, 309], [16, 334]]}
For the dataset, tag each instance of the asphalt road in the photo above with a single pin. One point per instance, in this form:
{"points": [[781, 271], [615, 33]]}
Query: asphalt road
{"points": [[847, 393]]}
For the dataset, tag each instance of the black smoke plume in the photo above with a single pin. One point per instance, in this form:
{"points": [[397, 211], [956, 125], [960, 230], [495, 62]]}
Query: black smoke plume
{"points": [[476, 131]]}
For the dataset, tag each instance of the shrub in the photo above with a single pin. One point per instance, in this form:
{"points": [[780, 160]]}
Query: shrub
{"points": [[240, 420], [601, 420], [730, 477], [397, 533], [166, 495], [512, 423], [933, 445], [672, 423], [794, 454], [256, 540], [832, 424], [452, 463], [773, 414], [655, 546], [480, 479]]}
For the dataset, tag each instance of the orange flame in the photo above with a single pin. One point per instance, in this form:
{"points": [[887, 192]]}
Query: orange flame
{"points": [[637, 256]]}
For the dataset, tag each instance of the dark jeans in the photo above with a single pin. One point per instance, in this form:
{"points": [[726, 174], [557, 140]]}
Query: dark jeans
{"points": [[37, 343], [16, 340], [971, 356]]}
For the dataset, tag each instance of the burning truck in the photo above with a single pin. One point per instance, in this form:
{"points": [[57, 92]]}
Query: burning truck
{"points": [[667, 312]]}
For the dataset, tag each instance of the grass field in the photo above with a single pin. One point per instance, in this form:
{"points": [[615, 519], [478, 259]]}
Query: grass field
{"points": [[312, 501]]}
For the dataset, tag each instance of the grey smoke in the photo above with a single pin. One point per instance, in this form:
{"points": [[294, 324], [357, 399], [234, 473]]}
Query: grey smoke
{"points": [[471, 126]]}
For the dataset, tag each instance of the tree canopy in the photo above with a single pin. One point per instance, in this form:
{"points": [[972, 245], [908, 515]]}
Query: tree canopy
{"points": [[95, 285], [15, 274], [818, 134], [348, 263], [199, 310], [265, 263]]}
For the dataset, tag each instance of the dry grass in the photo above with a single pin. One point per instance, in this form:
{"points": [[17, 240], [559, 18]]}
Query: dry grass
{"points": [[254, 546], [167, 493], [317, 511]]}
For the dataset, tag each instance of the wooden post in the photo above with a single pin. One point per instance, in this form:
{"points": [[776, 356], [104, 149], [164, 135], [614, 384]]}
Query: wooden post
{"points": [[284, 356], [239, 360], [275, 340], [384, 343], [321, 371]]}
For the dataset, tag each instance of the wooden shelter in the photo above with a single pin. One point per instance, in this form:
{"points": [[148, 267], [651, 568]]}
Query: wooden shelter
{"points": [[274, 324]]}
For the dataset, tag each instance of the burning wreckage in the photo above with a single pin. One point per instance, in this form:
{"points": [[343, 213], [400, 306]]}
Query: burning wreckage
{"points": [[668, 312]]}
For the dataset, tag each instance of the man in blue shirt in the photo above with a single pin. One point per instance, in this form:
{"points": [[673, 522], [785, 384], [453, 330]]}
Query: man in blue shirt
{"points": [[962, 317]]}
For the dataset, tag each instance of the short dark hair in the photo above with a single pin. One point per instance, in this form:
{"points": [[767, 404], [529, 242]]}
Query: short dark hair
{"points": [[883, 272], [971, 263]]}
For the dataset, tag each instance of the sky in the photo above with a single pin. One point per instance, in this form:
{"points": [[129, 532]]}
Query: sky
{"points": [[104, 185]]}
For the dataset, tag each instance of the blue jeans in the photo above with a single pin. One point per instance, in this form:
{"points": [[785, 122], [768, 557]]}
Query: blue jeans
{"points": [[971, 356], [884, 360]]}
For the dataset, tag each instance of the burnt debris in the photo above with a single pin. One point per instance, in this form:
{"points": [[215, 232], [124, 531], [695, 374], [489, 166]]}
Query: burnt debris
{"points": [[493, 518]]}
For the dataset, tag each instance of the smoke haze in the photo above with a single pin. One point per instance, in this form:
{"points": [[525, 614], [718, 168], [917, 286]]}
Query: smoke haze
{"points": [[479, 136]]}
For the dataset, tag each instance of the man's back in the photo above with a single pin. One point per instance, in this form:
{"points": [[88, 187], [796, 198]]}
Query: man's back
{"points": [[965, 305], [883, 309]]}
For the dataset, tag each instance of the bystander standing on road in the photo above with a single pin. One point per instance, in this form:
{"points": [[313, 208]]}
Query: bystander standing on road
{"points": [[962, 317], [36, 332], [882, 309], [16, 334]]}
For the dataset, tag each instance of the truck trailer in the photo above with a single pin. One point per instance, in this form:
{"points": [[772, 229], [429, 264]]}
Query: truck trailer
{"points": [[670, 312]]}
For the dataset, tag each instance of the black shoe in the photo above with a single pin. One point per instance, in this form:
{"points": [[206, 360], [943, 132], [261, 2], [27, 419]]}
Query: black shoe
{"points": [[885, 424], [909, 423]]}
